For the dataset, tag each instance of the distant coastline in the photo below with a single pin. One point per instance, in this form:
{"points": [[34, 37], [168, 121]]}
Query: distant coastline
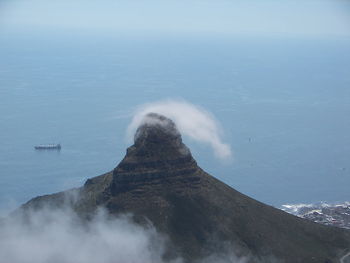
{"points": [[332, 214]]}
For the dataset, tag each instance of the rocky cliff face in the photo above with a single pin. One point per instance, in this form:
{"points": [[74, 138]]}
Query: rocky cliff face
{"points": [[158, 153], [158, 181]]}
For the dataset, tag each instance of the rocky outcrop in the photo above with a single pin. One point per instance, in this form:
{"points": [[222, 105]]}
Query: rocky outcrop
{"points": [[158, 153]]}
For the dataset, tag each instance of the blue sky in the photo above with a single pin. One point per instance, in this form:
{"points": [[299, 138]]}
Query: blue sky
{"points": [[320, 18]]}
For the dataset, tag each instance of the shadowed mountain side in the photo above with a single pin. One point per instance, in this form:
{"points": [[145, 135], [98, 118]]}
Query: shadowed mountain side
{"points": [[159, 181]]}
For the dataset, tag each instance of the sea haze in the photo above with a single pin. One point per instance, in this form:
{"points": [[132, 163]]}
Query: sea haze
{"points": [[283, 105]]}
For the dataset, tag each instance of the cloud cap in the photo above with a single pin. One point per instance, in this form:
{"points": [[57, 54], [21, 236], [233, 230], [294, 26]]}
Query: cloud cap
{"points": [[191, 121], [156, 128]]}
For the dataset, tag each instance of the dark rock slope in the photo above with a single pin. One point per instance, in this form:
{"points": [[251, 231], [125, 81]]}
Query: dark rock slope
{"points": [[159, 181]]}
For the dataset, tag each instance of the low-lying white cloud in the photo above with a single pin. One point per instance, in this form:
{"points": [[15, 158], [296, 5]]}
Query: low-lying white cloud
{"points": [[192, 121], [60, 236]]}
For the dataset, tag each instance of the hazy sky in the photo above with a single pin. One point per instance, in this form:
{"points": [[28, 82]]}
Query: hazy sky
{"points": [[250, 17]]}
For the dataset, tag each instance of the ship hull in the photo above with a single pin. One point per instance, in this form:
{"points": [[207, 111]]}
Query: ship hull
{"points": [[48, 147]]}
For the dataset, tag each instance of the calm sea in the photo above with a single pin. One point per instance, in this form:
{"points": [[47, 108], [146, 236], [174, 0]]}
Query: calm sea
{"points": [[284, 105]]}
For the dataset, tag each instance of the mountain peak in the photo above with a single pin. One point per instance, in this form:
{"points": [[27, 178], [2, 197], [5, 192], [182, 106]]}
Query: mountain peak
{"points": [[158, 152], [158, 181], [158, 134], [155, 125]]}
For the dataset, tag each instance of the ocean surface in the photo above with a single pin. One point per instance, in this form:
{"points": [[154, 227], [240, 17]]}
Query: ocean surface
{"points": [[284, 106]]}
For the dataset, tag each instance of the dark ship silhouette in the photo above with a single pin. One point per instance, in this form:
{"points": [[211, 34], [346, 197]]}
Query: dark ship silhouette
{"points": [[48, 147]]}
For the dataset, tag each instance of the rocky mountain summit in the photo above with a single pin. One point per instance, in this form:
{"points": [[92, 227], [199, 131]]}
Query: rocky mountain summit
{"points": [[159, 182]]}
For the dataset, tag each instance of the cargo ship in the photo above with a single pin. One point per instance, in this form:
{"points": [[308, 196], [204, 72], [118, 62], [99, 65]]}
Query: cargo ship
{"points": [[48, 147]]}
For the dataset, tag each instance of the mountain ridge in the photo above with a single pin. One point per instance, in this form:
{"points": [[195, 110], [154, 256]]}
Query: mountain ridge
{"points": [[158, 181]]}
